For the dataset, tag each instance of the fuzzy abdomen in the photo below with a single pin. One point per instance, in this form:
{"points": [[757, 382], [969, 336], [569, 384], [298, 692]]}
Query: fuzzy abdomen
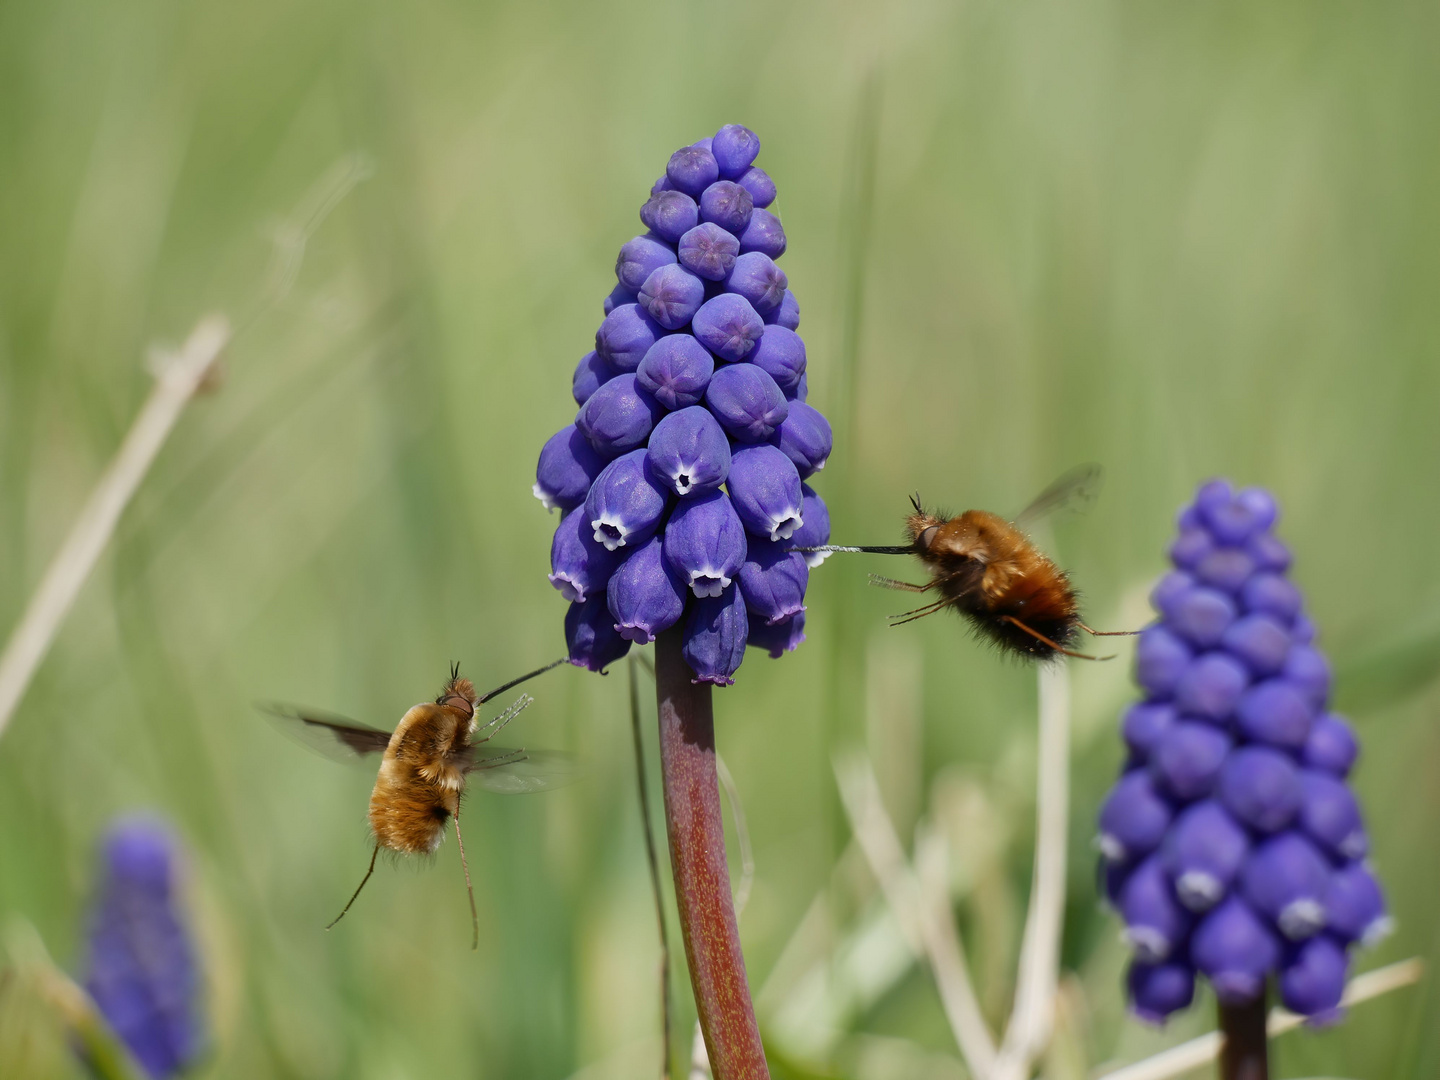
{"points": [[408, 813]]}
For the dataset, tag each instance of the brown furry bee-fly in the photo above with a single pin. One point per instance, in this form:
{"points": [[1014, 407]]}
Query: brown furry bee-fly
{"points": [[988, 569], [437, 749]]}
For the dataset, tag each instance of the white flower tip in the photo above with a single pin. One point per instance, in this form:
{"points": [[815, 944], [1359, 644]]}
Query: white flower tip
{"points": [[708, 582], [815, 558], [1301, 918], [1111, 848], [783, 527], [610, 533], [544, 496], [1377, 931], [1150, 945], [1198, 890], [570, 590]]}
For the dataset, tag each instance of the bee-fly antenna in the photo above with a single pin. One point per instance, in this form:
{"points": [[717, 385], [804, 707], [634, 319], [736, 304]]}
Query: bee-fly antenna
{"points": [[915, 502], [373, 855], [454, 670], [516, 682]]}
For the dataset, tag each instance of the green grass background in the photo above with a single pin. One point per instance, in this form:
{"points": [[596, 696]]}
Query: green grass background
{"points": [[1181, 240]]}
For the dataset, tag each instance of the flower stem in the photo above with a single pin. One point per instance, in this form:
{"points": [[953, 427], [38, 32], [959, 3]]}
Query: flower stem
{"points": [[697, 859], [1243, 1049]]}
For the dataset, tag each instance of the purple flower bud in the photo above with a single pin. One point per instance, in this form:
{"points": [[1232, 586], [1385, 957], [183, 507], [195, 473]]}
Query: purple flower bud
{"points": [[1190, 547], [787, 314], [626, 503], [617, 296], [641, 257], [815, 532], [1313, 980], [662, 184], [1271, 594], [568, 465], [1330, 816], [709, 251], [1155, 925], [705, 543], [590, 374], [1233, 521], [1355, 906], [1157, 990], [1213, 495], [1170, 590], [670, 215], [1203, 853], [1259, 642], [1285, 879], [781, 353], [804, 437], [1144, 724], [141, 967], [1330, 746], [643, 595], [1268, 552], [773, 582], [728, 326], [1235, 949], [727, 204], [1211, 686], [618, 417], [734, 147], [690, 452], [692, 169], [765, 489], [1302, 630], [1188, 758], [579, 566], [1160, 659], [1275, 712], [1261, 788], [764, 234], [1307, 669], [1225, 568], [591, 636], [1261, 505], [778, 638], [676, 369], [1134, 818], [672, 295], [756, 277], [747, 402], [715, 632], [801, 391], [758, 183], [625, 336], [1200, 616]]}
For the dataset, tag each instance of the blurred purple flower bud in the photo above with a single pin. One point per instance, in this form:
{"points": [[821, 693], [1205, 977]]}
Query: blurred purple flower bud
{"points": [[779, 638], [1275, 712], [728, 326], [662, 184], [1160, 659], [1313, 980], [1200, 616], [804, 437], [1157, 990], [787, 314], [1204, 852], [815, 532], [762, 189], [715, 632], [764, 234], [1145, 722], [1331, 746], [590, 374], [1271, 594], [747, 402], [709, 251], [1259, 642], [1188, 758], [1235, 949], [618, 417], [734, 147], [671, 296], [617, 296], [1155, 925], [590, 635], [626, 503], [756, 277], [801, 391], [669, 215], [727, 204], [1355, 906], [690, 452], [1307, 669], [1212, 496], [1330, 816], [705, 543], [1190, 547], [1261, 788], [1285, 879], [773, 582], [765, 489], [781, 353], [641, 257], [1225, 568], [1133, 818], [692, 169], [676, 370], [1268, 552], [568, 465], [1261, 505], [1211, 686], [1233, 521], [1170, 590], [643, 595], [625, 336], [579, 566]]}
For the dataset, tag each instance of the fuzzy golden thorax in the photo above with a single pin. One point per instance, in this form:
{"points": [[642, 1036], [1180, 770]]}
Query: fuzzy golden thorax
{"points": [[421, 776]]}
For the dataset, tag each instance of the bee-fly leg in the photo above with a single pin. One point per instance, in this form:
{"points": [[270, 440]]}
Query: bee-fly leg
{"points": [[373, 856], [1054, 645], [495, 726], [469, 889], [919, 613], [902, 586], [1106, 633]]}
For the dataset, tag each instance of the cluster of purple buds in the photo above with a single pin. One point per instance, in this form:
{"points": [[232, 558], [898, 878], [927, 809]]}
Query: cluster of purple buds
{"points": [[141, 967], [682, 479], [1232, 845]]}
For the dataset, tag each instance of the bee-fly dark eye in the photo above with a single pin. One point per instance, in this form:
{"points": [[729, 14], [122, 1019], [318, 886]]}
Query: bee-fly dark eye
{"points": [[926, 537]]}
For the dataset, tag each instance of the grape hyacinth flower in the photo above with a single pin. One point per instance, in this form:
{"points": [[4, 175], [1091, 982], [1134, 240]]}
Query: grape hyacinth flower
{"points": [[141, 966], [1233, 846]]}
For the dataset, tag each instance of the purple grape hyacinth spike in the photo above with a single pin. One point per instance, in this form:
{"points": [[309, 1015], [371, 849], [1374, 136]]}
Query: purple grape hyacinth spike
{"points": [[715, 633], [688, 451], [756, 277], [765, 489], [590, 634], [676, 370], [1265, 840], [728, 326], [591, 373], [728, 205], [669, 215], [579, 565], [773, 582], [644, 596], [568, 466], [626, 502], [626, 335], [705, 543], [619, 416], [747, 402], [709, 252], [640, 258], [671, 296]]}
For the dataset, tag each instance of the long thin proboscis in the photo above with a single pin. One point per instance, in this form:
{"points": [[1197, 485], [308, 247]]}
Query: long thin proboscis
{"points": [[887, 549], [522, 678]]}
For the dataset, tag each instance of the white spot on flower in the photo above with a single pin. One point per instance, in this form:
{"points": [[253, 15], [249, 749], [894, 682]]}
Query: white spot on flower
{"points": [[784, 524], [544, 496], [707, 581], [610, 531]]}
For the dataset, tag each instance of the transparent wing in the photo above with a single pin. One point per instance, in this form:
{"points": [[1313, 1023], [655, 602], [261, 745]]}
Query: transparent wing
{"points": [[337, 737], [518, 772], [1073, 492]]}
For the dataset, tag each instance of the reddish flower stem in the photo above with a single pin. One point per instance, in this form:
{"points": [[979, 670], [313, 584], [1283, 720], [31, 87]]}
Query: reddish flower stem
{"points": [[1244, 1053], [697, 860]]}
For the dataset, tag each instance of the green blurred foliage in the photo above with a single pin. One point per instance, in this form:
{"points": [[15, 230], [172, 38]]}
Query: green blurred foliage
{"points": [[1180, 240]]}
